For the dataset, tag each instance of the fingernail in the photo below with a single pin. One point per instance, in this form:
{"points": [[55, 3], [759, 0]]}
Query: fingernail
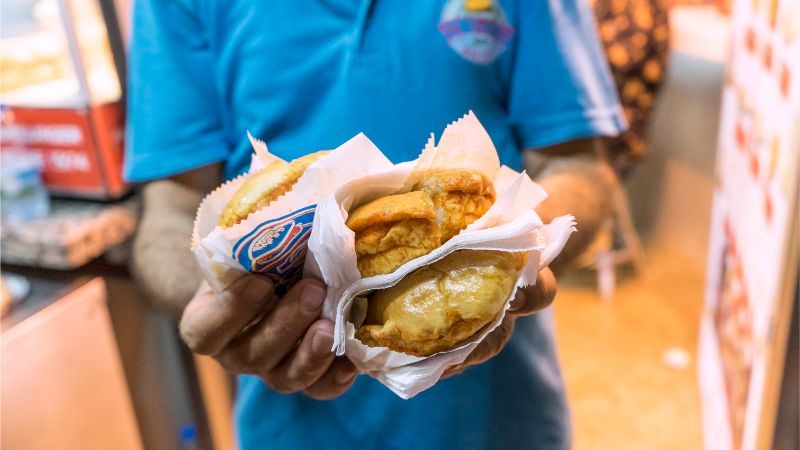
{"points": [[322, 342], [344, 376], [311, 297], [259, 288]]}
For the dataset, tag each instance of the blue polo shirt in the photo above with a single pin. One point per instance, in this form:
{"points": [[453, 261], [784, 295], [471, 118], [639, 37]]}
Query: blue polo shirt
{"points": [[306, 75]]}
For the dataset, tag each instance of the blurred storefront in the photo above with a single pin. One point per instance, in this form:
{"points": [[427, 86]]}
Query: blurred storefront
{"points": [[86, 361]]}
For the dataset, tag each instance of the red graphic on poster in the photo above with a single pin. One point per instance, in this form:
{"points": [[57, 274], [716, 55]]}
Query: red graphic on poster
{"points": [[733, 322], [80, 148], [753, 217]]}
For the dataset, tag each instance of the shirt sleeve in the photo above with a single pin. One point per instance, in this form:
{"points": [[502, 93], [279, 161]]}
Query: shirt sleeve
{"points": [[560, 87], [173, 117]]}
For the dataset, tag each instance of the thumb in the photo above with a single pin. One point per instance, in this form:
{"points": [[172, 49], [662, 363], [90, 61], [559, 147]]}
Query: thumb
{"points": [[212, 320]]}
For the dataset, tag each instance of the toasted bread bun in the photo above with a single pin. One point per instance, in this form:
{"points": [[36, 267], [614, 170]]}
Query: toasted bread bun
{"points": [[437, 306], [393, 230], [460, 197], [264, 187]]}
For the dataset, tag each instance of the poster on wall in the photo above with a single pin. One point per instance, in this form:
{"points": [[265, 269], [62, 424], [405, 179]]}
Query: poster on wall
{"points": [[752, 260]]}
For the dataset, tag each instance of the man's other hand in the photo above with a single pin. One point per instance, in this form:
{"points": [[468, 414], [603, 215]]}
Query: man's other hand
{"points": [[249, 330], [528, 300]]}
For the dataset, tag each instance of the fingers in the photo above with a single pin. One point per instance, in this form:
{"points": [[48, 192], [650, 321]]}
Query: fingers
{"points": [[338, 379], [287, 346], [264, 345], [531, 299], [493, 343], [527, 301], [307, 363], [488, 348], [211, 321]]}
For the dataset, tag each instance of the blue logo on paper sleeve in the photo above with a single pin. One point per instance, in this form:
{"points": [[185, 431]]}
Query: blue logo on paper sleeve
{"points": [[476, 29], [277, 248]]}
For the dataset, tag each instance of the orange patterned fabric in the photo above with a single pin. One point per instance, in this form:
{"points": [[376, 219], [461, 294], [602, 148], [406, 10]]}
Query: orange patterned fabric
{"points": [[635, 34]]}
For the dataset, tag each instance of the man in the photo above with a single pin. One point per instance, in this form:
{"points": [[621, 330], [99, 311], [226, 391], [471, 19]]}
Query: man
{"points": [[307, 75]]}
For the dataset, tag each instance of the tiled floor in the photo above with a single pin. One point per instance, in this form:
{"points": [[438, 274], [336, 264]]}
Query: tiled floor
{"points": [[623, 395]]}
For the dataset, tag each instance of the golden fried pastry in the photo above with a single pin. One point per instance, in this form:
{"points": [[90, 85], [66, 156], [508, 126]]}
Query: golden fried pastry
{"points": [[437, 306], [460, 196], [393, 230], [264, 187]]}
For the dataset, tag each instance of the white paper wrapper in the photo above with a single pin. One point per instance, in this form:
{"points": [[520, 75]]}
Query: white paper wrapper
{"points": [[510, 225], [273, 240]]}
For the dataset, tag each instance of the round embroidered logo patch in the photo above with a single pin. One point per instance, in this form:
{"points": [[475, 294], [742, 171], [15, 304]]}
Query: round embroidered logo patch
{"points": [[476, 29]]}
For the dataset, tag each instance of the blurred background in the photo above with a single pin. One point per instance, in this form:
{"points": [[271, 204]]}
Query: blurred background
{"points": [[680, 331]]}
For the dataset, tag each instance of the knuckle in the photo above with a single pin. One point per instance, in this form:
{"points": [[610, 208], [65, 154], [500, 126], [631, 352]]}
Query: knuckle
{"points": [[280, 384], [197, 341], [325, 391], [292, 383], [542, 302], [306, 364], [480, 355], [303, 375], [314, 395], [231, 365], [320, 395], [245, 358], [551, 292], [282, 325], [507, 327], [483, 353], [550, 286], [273, 384], [455, 369], [535, 298], [238, 288], [299, 385], [283, 321]]}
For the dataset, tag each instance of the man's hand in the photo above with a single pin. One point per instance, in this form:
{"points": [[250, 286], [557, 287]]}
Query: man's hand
{"points": [[578, 180], [528, 300], [249, 330]]}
